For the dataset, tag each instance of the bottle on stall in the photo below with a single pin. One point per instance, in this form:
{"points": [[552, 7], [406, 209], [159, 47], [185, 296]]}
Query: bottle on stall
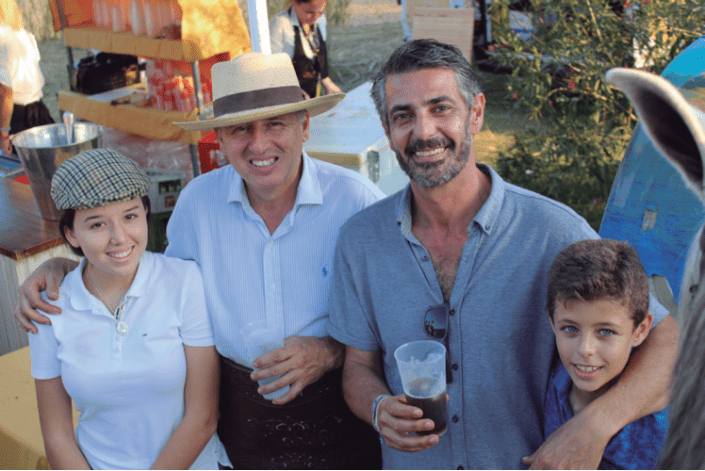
{"points": [[137, 17], [176, 12], [151, 19], [97, 16], [120, 15], [106, 14], [163, 13], [101, 13]]}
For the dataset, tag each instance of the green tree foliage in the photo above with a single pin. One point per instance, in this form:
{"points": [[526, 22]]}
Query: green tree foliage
{"points": [[582, 124]]}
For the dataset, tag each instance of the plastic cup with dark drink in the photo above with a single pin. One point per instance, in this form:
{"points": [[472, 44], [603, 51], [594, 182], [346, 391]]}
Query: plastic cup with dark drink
{"points": [[422, 368]]}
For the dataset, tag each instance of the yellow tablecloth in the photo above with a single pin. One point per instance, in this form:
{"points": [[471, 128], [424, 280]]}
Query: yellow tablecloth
{"points": [[21, 443]]}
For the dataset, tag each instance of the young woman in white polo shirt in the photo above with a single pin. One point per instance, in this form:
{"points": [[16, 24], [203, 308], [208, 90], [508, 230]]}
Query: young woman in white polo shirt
{"points": [[133, 346]]}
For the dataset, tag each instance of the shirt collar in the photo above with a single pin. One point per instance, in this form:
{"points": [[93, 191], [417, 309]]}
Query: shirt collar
{"points": [[82, 299], [308, 192], [562, 383], [484, 219]]}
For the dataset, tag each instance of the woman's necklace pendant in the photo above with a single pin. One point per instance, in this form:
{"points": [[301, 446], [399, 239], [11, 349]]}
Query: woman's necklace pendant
{"points": [[122, 328]]}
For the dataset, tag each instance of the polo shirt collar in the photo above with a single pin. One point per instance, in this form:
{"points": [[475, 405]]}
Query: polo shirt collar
{"points": [[82, 300], [309, 190], [489, 213], [484, 219], [562, 383]]}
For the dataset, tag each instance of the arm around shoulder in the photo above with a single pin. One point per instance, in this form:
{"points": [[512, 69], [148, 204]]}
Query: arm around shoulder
{"points": [[47, 277]]}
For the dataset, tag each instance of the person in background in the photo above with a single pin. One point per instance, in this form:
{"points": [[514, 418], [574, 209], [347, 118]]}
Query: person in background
{"points": [[263, 231], [134, 347], [598, 300], [472, 251], [21, 80], [300, 31]]}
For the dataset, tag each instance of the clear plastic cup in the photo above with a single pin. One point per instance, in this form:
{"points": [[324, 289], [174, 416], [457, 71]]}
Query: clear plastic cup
{"points": [[422, 368], [260, 339]]}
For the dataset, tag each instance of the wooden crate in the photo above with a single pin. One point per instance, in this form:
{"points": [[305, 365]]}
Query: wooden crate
{"points": [[449, 25]]}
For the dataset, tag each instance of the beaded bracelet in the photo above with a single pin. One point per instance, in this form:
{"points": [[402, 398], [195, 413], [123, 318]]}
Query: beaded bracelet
{"points": [[375, 410]]}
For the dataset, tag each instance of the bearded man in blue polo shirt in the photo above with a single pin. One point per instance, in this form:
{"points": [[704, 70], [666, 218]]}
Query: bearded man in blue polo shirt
{"points": [[475, 250]]}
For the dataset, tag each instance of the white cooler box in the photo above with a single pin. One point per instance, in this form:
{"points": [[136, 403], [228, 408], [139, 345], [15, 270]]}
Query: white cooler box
{"points": [[351, 135]]}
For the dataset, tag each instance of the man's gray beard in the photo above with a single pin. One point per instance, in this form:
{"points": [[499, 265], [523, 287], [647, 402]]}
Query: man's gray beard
{"points": [[429, 181]]}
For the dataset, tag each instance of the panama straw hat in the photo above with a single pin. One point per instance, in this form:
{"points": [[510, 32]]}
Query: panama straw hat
{"points": [[257, 86]]}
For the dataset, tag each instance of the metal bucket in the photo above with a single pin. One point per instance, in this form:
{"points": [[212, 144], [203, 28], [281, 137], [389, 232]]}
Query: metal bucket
{"points": [[43, 148]]}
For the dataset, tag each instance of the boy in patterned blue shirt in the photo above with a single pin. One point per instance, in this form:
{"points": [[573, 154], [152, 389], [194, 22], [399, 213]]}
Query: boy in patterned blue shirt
{"points": [[598, 299]]}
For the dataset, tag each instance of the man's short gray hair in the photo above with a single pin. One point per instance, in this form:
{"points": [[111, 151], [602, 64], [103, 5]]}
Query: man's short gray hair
{"points": [[425, 54]]}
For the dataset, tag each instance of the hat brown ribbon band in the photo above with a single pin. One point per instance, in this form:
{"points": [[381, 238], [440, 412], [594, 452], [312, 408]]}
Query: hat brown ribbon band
{"points": [[247, 101]]}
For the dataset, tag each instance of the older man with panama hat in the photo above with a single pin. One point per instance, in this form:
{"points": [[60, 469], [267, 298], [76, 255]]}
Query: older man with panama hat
{"points": [[263, 231]]}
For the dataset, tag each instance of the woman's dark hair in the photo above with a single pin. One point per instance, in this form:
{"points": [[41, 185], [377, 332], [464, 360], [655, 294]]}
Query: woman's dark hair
{"points": [[69, 215]]}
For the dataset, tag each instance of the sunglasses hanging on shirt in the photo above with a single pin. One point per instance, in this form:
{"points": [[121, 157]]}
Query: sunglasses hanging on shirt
{"points": [[435, 324]]}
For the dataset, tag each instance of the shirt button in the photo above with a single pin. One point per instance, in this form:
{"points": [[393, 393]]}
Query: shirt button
{"points": [[270, 242], [455, 367], [487, 227], [455, 419], [461, 467], [452, 312], [271, 287], [424, 258]]}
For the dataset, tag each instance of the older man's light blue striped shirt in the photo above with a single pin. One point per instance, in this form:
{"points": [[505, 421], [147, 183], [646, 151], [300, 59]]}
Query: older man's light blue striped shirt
{"points": [[250, 275]]}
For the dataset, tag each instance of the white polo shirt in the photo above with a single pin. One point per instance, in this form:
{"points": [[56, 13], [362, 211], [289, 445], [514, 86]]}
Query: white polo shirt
{"points": [[128, 388]]}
